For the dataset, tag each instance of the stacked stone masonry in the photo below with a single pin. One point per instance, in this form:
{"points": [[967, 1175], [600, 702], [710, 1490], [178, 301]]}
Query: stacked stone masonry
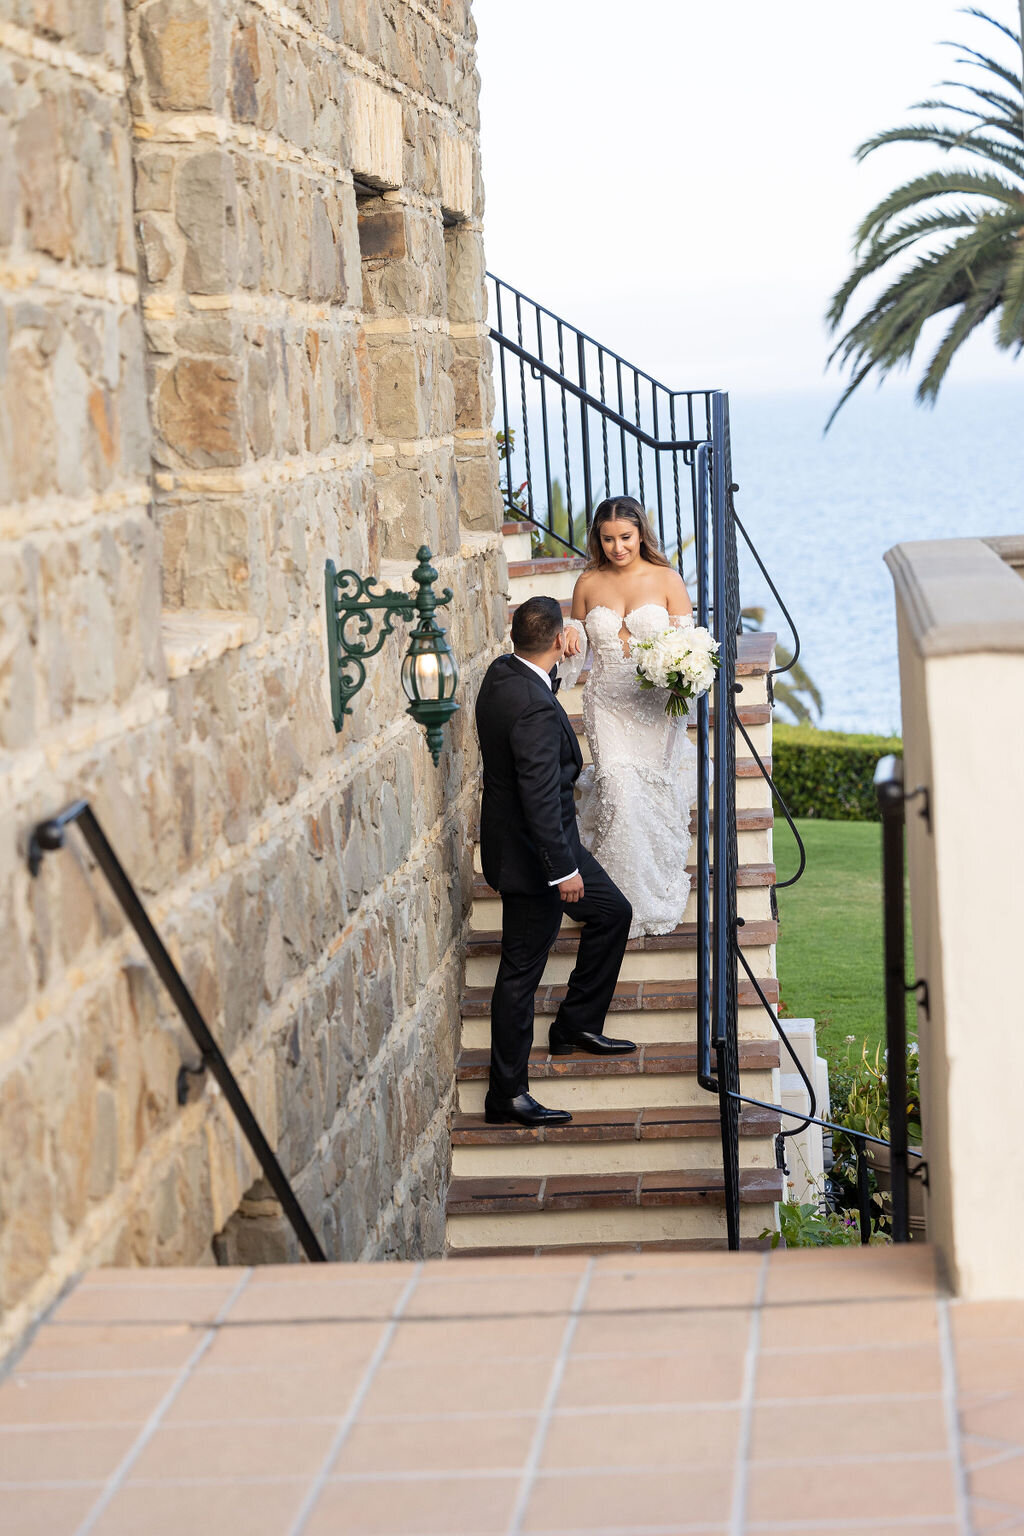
{"points": [[243, 331]]}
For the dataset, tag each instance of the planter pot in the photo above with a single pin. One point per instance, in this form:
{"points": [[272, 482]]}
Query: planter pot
{"points": [[878, 1159]]}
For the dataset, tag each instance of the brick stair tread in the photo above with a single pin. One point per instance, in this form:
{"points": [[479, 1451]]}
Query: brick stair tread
{"points": [[616, 1125], [652, 1060], [628, 997], [488, 941], [605, 1191], [747, 876], [653, 1245], [548, 565]]}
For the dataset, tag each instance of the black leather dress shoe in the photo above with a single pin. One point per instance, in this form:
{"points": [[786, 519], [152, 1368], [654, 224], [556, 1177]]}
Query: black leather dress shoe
{"points": [[560, 1044], [522, 1110]]}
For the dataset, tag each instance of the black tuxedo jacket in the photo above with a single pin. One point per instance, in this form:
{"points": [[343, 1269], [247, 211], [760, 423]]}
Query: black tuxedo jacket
{"points": [[528, 830]]}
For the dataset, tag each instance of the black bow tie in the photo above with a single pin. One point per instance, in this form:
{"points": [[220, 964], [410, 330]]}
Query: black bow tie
{"points": [[556, 681]]}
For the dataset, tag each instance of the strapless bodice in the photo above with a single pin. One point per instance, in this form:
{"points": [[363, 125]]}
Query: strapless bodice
{"points": [[604, 625]]}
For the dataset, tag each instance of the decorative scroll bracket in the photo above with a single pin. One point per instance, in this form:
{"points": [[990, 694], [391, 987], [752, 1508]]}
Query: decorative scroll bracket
{"points": [[352, 603]]}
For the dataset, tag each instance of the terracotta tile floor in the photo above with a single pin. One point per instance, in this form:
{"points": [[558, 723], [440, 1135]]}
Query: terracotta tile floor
{"points": [[626, 1395]]}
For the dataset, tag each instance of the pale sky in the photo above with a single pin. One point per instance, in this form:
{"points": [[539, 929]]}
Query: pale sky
{"points": [[676, 176]]}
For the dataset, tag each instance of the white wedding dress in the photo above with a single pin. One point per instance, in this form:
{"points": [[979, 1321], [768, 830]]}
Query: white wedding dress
{"points": [[634, 801]]}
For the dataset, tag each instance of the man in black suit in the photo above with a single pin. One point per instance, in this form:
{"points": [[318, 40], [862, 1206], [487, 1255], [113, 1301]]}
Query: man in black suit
{"points": [[531, 852]]}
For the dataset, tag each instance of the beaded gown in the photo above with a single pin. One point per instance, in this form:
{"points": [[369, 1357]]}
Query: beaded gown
{"points": [[635, 799]]}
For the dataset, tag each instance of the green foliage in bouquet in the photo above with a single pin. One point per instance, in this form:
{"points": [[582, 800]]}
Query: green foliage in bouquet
{"points": [[828, 774]]}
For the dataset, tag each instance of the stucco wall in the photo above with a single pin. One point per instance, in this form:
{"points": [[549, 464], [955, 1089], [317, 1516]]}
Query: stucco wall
{"points": [[961, 636]]}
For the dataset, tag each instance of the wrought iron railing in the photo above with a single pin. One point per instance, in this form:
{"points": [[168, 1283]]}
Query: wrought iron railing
{"points": [[47, 837], [578, 423]]}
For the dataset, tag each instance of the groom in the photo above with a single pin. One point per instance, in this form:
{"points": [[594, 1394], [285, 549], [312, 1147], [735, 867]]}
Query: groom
{"points": [[531, 852]]}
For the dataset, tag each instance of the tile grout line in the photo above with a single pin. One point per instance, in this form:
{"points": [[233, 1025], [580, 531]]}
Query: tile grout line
{"points": [[529, 1474], [949, 1398], [427, 1474], [117, 1477], [738, 1516], [884, 1523], [341, 1434]]}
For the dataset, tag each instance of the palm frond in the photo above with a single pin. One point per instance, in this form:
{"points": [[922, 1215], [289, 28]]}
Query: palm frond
{"points": [[1010, 332], [969, 141], [978, 273], [891, 244], [981, 60], [799, 679], [946, 183], [973, 313], [980, 15], [790, 699], [890, 328], [1007, 119]]}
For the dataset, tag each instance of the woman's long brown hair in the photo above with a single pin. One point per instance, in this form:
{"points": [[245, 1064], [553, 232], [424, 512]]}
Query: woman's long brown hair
{"points": [[624, 509]]}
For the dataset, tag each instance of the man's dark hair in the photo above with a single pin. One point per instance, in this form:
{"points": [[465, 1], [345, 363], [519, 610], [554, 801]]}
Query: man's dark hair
{"points": [[535, 624]]}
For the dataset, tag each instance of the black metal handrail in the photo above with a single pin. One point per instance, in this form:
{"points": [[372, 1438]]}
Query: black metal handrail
{"points": [[576, 414], [673, 453], [47, 837], [892, 801], [540, 367], [649, 465]]}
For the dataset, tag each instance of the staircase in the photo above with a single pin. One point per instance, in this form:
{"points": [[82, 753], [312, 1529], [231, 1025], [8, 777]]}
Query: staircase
{"points": [[641, 1163]]}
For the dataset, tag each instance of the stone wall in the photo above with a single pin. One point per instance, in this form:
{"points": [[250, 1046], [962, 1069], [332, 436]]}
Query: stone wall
{"points": [[243, 303]]}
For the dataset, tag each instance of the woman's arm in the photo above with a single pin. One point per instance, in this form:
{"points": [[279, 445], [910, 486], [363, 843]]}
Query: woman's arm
{"points": [[573, 644], [678, 599]]}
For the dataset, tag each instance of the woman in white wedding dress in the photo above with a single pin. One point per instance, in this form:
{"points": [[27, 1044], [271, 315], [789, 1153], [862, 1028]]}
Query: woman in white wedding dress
{"points": [[635, 800]]}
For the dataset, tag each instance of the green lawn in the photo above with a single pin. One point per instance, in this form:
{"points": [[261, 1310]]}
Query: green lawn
{"points": [[830, 933]]}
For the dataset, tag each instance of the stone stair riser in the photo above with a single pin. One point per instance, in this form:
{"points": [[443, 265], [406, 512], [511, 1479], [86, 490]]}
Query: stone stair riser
{"points": [[753, 903], [637, 1091], [550, 1159], [557, 584], [638, 1224], [637, 965], [684, 1213], [675, 1026], [517, 546]]}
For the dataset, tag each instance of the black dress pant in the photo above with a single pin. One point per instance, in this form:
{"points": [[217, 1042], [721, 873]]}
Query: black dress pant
{"points": [[529, 926]]}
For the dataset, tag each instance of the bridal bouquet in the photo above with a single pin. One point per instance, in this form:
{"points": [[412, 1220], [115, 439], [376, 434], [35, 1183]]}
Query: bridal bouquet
{"points": [[682, 660]]}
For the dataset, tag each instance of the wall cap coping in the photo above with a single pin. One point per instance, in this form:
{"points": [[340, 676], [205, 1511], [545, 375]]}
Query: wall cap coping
{"points": [[194, 637], [960, 595]]}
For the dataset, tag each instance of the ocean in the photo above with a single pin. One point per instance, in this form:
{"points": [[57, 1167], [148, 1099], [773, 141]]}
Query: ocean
{"points": [[823, 511]]}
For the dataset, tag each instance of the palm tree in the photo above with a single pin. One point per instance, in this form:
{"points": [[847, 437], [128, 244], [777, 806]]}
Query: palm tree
{"points": [[977, 274], [799, 693]]}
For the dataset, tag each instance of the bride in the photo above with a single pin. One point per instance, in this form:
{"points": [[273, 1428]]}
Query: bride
{"points": [[635, 801]]}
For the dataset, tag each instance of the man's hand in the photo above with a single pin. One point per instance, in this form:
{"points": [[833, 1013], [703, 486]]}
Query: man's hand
{"points": [[571, 889]]}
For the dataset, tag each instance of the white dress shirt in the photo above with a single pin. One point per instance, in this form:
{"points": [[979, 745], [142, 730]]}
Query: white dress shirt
{"points": [[546, 676]]}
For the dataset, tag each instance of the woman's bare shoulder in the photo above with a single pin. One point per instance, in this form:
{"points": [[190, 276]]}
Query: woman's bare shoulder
{"points": [[675, 586], [677, 598], [582, 594]]}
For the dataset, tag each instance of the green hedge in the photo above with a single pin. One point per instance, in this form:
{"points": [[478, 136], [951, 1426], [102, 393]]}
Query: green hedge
{"points": [[828, 774]]}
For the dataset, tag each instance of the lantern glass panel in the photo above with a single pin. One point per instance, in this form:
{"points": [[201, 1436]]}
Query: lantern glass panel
{"points": [[429, 676]]}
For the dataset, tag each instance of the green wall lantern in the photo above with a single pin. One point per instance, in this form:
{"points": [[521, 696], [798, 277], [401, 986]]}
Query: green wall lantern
{"points": [[429, 672]]}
